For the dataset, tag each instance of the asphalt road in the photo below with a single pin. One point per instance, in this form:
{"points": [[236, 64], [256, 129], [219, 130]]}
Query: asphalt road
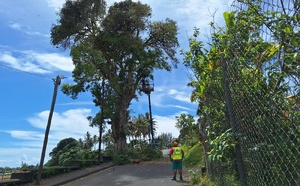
{"points": [[143, 174]]}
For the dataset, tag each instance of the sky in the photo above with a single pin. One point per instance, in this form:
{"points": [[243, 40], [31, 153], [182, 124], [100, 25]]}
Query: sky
{"points": [[29, 63]]}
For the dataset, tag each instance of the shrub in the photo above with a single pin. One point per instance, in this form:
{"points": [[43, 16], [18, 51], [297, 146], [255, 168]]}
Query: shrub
{"points": [[149, 153], [205, 181], [195, 176], [122, 158], [52, 171]]}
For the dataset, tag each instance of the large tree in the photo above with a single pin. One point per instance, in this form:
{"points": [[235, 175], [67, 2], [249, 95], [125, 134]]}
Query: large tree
{"points": [[121, 47], [189, 133], [62, 147]]}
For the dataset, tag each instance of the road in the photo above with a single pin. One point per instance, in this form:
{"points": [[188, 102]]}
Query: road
{"points": [[143, 174]]}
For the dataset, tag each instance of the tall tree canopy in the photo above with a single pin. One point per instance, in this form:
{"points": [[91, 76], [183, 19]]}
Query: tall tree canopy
{"points": [[189, 133], [121, 47]]}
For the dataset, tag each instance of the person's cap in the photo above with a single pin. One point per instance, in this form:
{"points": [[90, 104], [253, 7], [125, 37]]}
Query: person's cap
{"points": [[175, 143]]}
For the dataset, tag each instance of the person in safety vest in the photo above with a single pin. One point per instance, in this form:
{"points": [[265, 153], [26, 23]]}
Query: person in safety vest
{"points": [[176, 156]]}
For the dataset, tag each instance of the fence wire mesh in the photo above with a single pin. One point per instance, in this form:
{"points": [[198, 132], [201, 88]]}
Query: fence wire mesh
{"points": [[250, 123]]}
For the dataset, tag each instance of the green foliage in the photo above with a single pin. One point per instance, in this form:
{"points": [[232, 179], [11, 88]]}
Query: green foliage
{"points": [[189, 132], [205, 181], [122, 157], [138, 129], [68, 156], [65, 150], [196, 176], [107, 139], [199, 179], [49, 172], [256, 70], [24, 166], [193, 156], [73, 17], [222, 147], [165, 140], [149, 153], [121, 47], [69, 152], [185, 148], [88, 141]]}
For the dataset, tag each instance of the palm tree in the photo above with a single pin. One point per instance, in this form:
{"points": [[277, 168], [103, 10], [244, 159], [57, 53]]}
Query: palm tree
{"points": [[81, 143], [95, 140], [138, 127], [154, 124], [88, 141], [107, 138], [131, 129], [142, 127]]}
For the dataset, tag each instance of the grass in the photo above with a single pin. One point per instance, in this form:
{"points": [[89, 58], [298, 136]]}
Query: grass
{"points": [[193, 156], [193, 161]]}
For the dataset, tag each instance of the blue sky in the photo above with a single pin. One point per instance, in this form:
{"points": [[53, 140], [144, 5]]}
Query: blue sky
{"points": [[28, 63]]}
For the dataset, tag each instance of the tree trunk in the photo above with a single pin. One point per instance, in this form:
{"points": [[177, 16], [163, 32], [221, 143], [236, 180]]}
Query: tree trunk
{"points": [[118, 127]]}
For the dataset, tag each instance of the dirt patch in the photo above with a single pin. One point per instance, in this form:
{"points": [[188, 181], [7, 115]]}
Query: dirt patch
{"points": [[5, 177]]}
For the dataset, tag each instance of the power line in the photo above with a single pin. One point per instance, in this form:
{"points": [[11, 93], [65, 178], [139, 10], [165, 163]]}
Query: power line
{"points": [[12, 68]]}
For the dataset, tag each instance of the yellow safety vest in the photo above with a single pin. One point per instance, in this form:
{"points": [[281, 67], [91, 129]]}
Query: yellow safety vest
{"points": [[176, 155]]}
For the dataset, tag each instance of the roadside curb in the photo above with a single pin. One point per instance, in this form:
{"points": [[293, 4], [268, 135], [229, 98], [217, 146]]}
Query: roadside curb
{"points": [[72, 176], [83, 175]]}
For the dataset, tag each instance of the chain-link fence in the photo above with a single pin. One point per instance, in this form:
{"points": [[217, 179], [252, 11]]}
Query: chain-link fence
{"points": [[250, 123]]}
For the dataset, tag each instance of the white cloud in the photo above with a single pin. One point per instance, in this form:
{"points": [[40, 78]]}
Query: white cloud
{"points": [[51, 61], [179, 95], [15, 26], [71, 123], [14, 157], [8, 58], [26, 29], [37, 62], [56, 4], [26, 135], [19, 64], [166, 124], [182, 107], [77, 103], [170, 88]]}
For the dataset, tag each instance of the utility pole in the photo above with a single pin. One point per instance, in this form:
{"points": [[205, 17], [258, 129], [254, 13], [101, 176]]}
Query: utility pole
{"points": [[102, 119], [56, 84], [147, 88], [151, 121]]}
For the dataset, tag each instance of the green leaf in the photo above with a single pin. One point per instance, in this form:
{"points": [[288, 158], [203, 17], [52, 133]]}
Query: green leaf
{"points": [[295, 42], [287, 30]]}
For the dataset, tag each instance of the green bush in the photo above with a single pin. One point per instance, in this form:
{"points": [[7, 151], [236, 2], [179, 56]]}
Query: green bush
{"points": [[49, 172], [52, 171], [195, 176], [149, 153], [109, 151], [88, 158], [205, 181], [122, 158]]}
